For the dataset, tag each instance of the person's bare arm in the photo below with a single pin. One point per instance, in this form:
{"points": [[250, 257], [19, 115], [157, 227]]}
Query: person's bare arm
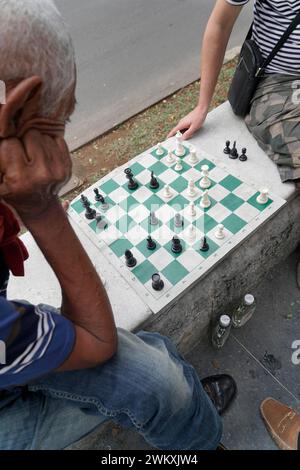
{"points": [[215, 41], [32, 172]]}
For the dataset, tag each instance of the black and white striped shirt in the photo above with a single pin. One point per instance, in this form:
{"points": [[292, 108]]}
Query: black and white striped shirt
{"points": [[271, 19]]}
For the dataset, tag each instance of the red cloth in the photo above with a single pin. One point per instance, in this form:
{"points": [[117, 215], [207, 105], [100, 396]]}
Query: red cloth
{"points": [[12, 248]]}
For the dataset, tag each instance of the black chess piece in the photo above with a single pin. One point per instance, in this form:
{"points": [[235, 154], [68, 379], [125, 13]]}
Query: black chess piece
{"points": [[101, 222], [151, 245], [176, 245], [98, 196], [85, 202], [130, 259], [204, 246], [178, 221], [132, 185], [90, 213], [157, 282], [243, 157], [154, 184], [153, 220], [227, 149], [234, 153]]}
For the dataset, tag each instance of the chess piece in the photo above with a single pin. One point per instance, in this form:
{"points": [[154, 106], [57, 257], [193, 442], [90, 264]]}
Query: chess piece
{"points": [[157, 282], [132, 185], [178, 166], [204, 245], [243, 157], [153, 220], [130, 259], [85, 201], [160, 151], [167, 192], [263, 197], [97, 195], [100, 198], [153, 182], [178, 222], [90, 213], [192, 209], [180, 150], [219, 234], [191, 191], [151, 245], [227, 149], [176, 245], [234, 153], [101, 223], [193, 156], [205, 201], [191, 233], [205, 182], [170, 158]]}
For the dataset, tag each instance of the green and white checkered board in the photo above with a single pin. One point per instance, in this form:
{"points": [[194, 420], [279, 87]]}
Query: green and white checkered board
{"points": [[233, 204]]}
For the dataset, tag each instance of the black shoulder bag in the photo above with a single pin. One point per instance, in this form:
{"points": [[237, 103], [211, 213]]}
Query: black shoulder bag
{"points": [[251, 68]]}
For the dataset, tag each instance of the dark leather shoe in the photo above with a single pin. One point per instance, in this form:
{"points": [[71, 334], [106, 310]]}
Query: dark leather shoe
{"points": [[221, 389]]}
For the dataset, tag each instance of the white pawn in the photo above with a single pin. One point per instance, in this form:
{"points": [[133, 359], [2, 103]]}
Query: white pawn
{"points": [[263, 197], [178, 166], [205, 182], [159, 150], [192, 209], [205, 201], [191, 191], [167, 192], [219, 234], [193, 156], [170, 158], [180, 150], [191, 232]]}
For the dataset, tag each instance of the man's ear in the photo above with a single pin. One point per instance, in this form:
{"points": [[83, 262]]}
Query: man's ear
{"points": [[22, 104]]}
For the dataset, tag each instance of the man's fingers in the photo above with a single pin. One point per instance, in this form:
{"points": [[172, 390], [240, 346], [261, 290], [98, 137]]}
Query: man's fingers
{"points": [[174, 131], [189, 133]]}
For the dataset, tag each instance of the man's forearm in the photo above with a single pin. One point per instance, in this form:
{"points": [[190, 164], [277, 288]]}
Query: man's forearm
{"points": [[213, 51], [85, 300]]}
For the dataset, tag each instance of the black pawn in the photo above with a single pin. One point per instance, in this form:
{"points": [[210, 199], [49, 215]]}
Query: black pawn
{"points": [[98, 196], [243, 157], [85, 201], [176, 245], [234, 153], [157, 282], [90, 213], [132, 185], [130, 259], [153, 183], [227, 149], [151, 245], [204, 246]]}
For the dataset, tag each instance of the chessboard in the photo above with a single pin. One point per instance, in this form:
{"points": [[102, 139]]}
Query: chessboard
{"points": [[169, 216]]}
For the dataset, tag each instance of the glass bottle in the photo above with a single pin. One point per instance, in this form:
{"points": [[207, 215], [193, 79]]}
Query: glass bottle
{"points": [[221, 332], [244, 311]]}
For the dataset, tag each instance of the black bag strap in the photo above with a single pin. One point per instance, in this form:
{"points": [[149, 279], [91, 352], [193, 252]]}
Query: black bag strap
{"points": [[281, 42]]}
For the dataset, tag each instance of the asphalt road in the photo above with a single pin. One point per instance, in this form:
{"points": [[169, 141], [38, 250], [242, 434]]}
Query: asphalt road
{"points": [[132, 53]]}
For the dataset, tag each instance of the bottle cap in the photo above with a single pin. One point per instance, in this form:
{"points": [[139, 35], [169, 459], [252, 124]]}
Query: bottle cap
{"points": [[225, 321], [249, 299]]}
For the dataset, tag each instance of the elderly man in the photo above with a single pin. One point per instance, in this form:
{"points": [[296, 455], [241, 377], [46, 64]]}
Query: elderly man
{"points": [[65, 374], [274, 118]]}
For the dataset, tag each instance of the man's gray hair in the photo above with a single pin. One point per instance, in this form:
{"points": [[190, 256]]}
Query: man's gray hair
{"points": [[34, 40]]}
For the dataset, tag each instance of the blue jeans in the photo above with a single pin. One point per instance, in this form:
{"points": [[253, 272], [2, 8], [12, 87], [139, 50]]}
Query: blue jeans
{"points": [[147, 386]]}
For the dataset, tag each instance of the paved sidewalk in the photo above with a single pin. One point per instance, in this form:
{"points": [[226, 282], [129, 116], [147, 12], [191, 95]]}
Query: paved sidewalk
{"points": [[259, 358]]}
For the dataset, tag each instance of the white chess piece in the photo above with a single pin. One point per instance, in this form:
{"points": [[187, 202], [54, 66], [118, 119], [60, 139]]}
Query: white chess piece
{"points": [[191, 191], [170, 158], [178, 166], [193, 156], [205, 182], [192, 209], [159, 150], [263, 197], [219, 234], [205, 201], [191, 232], [180, 150], [167, 192]]}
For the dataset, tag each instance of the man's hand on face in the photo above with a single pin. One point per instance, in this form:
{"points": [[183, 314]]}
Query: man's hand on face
{"points": [[33, 170]]}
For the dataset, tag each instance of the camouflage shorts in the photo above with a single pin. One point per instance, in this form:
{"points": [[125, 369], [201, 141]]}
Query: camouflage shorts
{"points": [[274, 121]]}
